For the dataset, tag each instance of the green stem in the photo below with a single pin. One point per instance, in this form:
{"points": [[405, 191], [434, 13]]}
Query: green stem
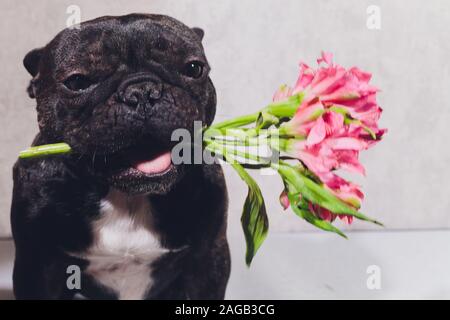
{"points": [[223, 150], [240, 142], [280, 109], [45, 150], [236, 122], [228, 132], [243, 135], [285, 108]]}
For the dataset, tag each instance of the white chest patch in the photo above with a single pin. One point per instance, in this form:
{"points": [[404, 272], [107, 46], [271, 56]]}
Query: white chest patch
{"points": [[125, 245]]}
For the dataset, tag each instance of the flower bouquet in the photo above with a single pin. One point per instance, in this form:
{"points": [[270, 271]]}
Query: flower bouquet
{"points": [[311, 130]]}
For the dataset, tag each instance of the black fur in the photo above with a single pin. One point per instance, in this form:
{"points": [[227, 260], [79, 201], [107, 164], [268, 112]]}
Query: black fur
{"points": [[56, 199]]}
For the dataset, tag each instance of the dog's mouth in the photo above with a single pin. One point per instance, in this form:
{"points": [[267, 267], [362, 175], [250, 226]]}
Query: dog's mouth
{"points": [[150, 162], [140, 161], [142, 166]]}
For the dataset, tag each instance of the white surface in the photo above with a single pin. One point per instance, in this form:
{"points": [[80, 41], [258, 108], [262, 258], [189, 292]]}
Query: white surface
{"points": [[414, 265], [253, 46]]}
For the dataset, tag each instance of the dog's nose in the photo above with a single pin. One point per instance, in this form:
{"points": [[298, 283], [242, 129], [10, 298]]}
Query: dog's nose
{"points": [[140, 89]]}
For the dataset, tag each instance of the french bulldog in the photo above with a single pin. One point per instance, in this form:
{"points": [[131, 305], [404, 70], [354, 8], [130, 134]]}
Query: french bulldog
{"points": [[116, 209]]}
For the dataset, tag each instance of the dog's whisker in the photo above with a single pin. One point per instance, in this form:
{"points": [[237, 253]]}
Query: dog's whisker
{"points": [[81, 156], [93, 158]]}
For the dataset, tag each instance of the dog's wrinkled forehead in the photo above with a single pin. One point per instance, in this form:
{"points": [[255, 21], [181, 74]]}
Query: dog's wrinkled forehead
{"points": [[136, 40]]}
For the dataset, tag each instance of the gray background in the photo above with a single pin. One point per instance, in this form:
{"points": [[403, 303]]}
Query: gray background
{"points": [[254, 46]]}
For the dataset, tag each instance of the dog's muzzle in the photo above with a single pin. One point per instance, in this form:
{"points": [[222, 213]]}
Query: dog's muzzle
{"points": [[140, 88]]}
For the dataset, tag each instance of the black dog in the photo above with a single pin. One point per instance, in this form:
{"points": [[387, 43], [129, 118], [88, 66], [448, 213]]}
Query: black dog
{"points": [[136, 225]]}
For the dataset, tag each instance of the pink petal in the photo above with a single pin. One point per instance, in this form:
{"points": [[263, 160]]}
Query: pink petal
{"points": [[284, 200], [342, 188], [333, 121], [327, 80], [347, 143], [348, 160], [302, 122], [321, 213], [308, 111], [346, 218], [282, 93], [326, 215], [326, 57], [315, 162], [305, 77], [317, 133], [361, 75]]}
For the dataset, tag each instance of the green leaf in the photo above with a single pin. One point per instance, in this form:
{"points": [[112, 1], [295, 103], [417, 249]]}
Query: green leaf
{"points": [[319, 223], [265, 120], [285, 108], [307, 215], [300, 208], [320, 195], [254, 216]]}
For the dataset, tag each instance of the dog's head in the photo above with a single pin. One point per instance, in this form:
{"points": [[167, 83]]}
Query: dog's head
{"points": [[115, 89]]}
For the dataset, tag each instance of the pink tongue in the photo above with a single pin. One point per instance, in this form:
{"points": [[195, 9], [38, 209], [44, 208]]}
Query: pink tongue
{"points": [[158, 164]]}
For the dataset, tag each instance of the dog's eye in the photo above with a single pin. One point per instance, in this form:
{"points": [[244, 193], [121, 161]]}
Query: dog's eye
{"points": [[77, 82], [193, 69]]}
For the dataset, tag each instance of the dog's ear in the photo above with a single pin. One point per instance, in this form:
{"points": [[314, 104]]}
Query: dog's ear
{"points": [[200, 33], [31, 63]]}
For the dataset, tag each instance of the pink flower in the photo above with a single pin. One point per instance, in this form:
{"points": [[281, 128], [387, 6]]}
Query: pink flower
{"points": [[304, 119], [336, 86], [336, 119], [284, 200], [327, 215], [330, 145], [344, 190], [282, 93]]}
